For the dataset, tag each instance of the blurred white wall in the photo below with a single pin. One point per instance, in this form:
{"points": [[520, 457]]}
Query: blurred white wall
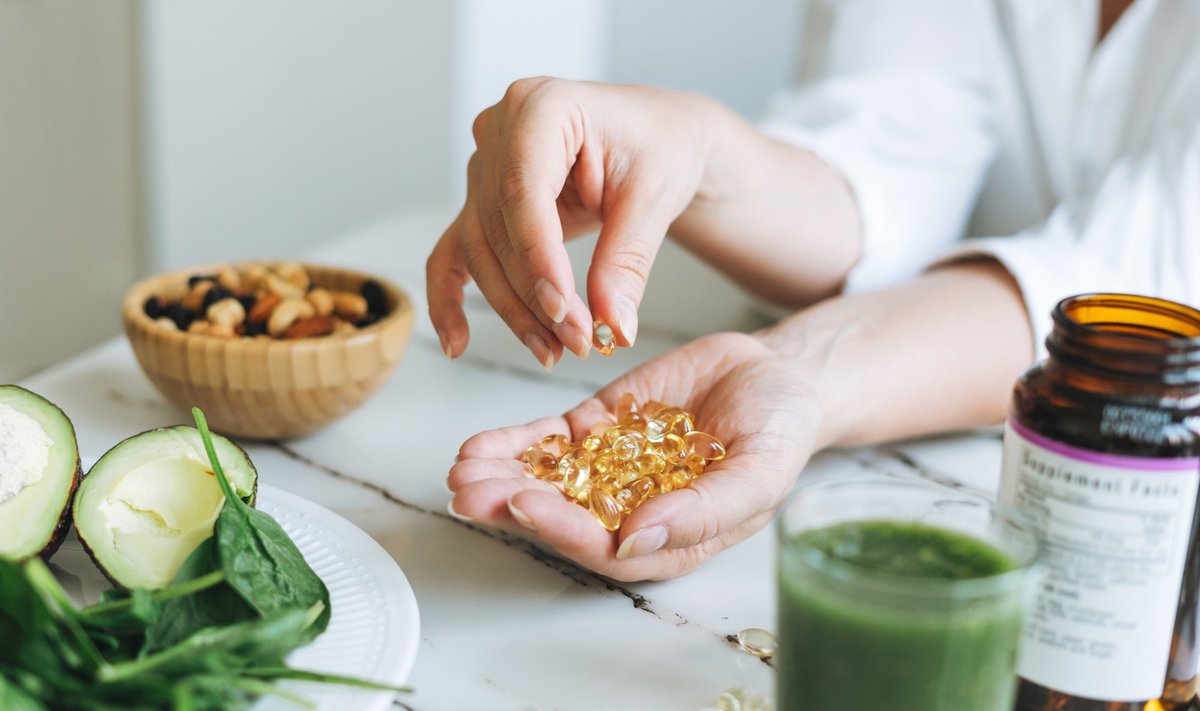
{"points": [[69, 218], [739, 52], [271, 125]]}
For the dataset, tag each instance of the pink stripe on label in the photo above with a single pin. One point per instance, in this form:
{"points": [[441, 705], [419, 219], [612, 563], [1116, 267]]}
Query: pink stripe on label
{"points": [[1160, 464]]}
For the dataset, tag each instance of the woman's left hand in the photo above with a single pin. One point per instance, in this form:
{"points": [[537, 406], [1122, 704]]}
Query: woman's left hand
{"points": [[759, 405]]}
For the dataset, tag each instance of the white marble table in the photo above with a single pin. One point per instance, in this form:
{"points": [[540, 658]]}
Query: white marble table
{"points": [[504, 624]]}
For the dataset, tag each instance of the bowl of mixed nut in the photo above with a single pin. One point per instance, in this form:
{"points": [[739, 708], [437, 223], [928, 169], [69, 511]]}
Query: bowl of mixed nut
{"points": [[268, 350]]}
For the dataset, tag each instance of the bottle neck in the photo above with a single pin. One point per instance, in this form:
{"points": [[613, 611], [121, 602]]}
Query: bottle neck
{"points": [[1130, 341]]}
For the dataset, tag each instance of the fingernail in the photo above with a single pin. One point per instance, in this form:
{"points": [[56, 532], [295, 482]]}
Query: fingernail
{"points": [[445, 345], [551, 301], [537, 345], [521, 517], [627, 319], [446, 485], [642, 542], [572, 339], [450, 510]]}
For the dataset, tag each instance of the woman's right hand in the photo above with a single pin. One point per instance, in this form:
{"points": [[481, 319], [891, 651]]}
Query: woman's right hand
{"points": [[555, 159]]}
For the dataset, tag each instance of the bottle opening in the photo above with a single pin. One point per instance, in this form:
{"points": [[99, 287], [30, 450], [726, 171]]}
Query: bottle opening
{"points": [[1130, 334]]}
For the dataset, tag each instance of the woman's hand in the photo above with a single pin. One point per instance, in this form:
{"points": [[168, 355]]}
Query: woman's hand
{"points": [[556, 159], [759, 405]]}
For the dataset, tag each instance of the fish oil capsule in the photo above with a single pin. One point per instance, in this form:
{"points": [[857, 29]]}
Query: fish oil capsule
{"points": [[632, 419], [626, 403], [656, 428], [606, 342], [592, 442], [626, 472], [605, 508], [758, 642], [662, 483], [650, 463], [612, 434], [542, 464], [628, 447], [680, 476], [695, 463], [636, 492], [651, 408], [556, 444], [575, 469], [673, 447], [680, 424], [704, 445], [602, 464]]}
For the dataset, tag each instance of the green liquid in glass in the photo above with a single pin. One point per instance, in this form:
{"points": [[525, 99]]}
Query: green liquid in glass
{"points": [[893, 615]]}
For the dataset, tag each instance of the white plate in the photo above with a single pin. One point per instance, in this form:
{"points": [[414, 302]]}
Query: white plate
{"points": [[374, 629]]}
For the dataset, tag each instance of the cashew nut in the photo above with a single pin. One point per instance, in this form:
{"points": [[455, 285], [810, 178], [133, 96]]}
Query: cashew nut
{"points": [[287, 313]]}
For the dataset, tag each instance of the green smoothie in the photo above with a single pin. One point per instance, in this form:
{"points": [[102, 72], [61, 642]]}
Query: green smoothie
{"points": [[893, 615]]}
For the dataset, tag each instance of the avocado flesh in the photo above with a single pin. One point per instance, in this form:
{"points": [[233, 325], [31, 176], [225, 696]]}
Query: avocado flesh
{"points": [[39, 470], [158, 513], [147, 503]]}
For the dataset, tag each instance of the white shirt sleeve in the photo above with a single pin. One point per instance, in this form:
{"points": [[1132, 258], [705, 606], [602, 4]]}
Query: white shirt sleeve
{"points": [[901, 110], [1138, 232]]}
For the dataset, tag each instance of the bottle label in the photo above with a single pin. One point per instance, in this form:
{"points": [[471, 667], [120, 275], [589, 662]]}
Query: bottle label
{"points": [[1115, 532]]}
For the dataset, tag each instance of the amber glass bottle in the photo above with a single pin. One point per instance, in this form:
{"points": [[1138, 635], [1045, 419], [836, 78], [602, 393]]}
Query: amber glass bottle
{"points": [[1102, 451]]}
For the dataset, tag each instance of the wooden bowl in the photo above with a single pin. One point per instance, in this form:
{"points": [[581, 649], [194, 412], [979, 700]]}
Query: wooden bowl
{"points": [[265, 388]]}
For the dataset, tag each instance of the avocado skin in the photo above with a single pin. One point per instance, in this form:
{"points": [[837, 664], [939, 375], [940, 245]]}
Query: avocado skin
{"points": [[64, 520], [63, 527]]}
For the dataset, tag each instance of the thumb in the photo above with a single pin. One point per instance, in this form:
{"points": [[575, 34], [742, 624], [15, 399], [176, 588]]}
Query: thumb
{"points": [[634, 229], [717, 505]]}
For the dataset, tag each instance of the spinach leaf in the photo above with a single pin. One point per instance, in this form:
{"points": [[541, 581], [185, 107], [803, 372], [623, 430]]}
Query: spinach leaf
{"points": [[231, 648], [180, 617], [13, 698], [262, 562]]}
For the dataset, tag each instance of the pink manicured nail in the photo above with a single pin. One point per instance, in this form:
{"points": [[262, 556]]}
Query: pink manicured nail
{"points": [[551, 300], [461, 517], [572, 339], [445, 345], [627, 320], [541, 350], [521, 517], [643, 542]]}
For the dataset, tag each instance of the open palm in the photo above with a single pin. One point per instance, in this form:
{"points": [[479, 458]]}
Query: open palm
{"points": [[757, 403]]}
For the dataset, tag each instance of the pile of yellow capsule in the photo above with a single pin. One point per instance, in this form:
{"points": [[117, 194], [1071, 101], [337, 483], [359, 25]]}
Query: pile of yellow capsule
{"points": [[649, 450]]}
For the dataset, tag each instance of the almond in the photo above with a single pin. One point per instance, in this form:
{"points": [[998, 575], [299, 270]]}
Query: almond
{"points": [[311, 327]]}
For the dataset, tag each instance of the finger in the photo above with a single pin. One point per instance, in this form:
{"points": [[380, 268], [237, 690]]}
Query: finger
{"points": [[567, 527], [469, 471], [511, 442], [446, 276], [529, 176], [716, 505], [489, 275], [633, 231], [486, 501]]}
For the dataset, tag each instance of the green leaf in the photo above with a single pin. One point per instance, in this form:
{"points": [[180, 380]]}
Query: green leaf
{"points": [[13, 698], [322, 678], [230, 648], [181, 616], [262, 562]]}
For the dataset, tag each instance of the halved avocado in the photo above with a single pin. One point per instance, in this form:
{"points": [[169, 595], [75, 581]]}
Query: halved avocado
{"points": [[149, 501], [39, 470]]}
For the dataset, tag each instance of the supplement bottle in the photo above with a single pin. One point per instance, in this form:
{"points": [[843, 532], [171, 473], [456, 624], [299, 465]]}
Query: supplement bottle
{"points": [[1102, 452]]}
